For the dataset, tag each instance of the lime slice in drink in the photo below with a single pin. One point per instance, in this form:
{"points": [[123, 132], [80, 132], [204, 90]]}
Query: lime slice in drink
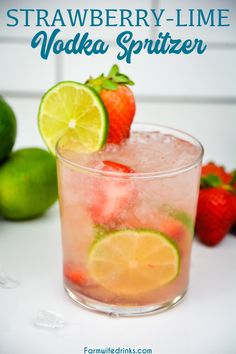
{"points": [[72, 107], [129, 262]]}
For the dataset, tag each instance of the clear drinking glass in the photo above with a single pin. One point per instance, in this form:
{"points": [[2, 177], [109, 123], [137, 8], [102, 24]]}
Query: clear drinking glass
{"points": [[127, 237]]}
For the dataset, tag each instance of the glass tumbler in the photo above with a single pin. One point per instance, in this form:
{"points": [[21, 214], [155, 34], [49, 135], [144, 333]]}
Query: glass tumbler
{"points": [[127, 238]]}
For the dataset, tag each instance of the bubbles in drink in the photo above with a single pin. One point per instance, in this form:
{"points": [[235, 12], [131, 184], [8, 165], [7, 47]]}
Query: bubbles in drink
{"points": [[144, 152], [114, 229]]}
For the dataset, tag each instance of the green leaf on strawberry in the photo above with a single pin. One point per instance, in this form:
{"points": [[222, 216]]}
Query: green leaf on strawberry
{"points": [[213, 181], [109, 85], [109, 82], [114, 70], [122, 79], [210, 181]]}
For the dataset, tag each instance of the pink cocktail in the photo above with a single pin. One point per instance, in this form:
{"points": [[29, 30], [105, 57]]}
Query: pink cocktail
{"points": [[127, 218]]}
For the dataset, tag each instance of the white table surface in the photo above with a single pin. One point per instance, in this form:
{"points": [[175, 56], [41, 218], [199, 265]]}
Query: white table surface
{"points": [[204, 323]]}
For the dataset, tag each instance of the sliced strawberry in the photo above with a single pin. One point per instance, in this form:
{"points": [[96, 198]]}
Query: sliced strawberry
{"points": [[111, 195], [74, 275], [116, 167]]}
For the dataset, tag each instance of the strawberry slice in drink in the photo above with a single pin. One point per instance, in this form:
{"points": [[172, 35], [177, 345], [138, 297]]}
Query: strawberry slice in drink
{"points": [[116, 167], [74, 275], [111, 194]]}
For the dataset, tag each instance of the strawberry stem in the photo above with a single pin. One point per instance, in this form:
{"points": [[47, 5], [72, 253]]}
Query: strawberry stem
{"points": [[109, 82]]}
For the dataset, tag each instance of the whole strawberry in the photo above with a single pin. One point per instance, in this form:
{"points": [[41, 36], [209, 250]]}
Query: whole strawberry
{"points": [[233, 183], [216, 211], [214, 215], [118, 100], [214, 175]]}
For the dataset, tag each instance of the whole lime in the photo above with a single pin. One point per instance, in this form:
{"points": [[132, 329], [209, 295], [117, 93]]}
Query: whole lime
{"points": [[7, 129], [28, 184]]}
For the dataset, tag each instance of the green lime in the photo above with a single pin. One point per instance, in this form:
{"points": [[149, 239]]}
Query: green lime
{"points": [[133, 261], [28, 184], [73, 107], [7, 129]]}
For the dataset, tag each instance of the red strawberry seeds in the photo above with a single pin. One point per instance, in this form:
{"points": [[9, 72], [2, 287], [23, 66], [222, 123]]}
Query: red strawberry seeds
{"points": [[120, 105], [214, 215], [216, 212]]}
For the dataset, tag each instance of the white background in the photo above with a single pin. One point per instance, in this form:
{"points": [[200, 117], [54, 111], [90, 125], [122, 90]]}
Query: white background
{"points": [[193, 93]]}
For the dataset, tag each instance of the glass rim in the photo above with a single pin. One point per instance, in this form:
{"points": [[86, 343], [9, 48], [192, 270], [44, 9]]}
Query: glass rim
{"points": [[140, 175]]}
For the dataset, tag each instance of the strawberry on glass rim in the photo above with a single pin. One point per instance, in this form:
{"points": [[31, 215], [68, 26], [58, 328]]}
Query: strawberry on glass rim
{"points": [[118, 100]]}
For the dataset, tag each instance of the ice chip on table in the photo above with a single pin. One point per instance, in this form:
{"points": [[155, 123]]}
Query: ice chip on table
{"points": [[7, 281], [49, 320], [144, 152]]}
